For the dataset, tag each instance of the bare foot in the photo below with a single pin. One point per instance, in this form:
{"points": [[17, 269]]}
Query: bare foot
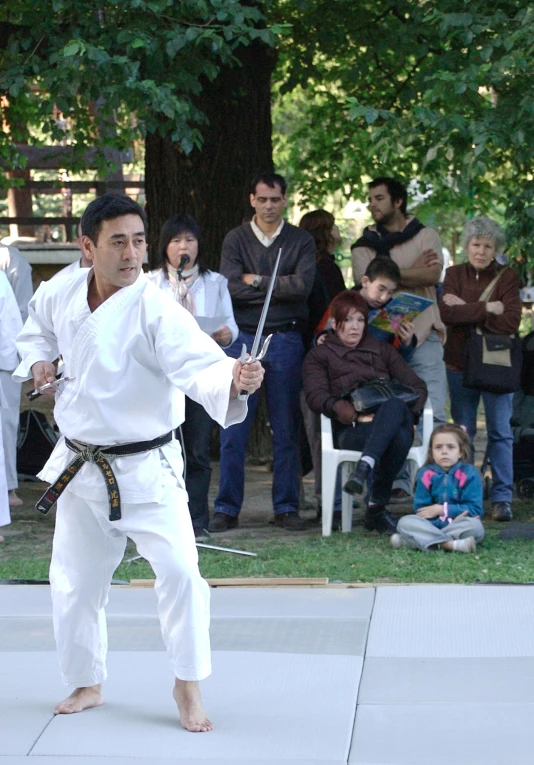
{"points": [[80, 699], [192, 716], [14, 499], [2, 539]]}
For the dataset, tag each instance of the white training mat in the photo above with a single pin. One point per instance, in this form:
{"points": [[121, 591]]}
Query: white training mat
{"points": [[28, 684], [443, 734], [447, 681], [270, 707], [452, 621]]}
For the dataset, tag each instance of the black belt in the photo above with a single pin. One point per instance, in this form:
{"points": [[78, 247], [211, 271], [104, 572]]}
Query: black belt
{"points": [[97, 455]]}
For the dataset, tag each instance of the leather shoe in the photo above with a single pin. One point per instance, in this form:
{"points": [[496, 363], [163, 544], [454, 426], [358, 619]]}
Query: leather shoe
{"points": [[357, 478], [501, 511], [378, 519], [222, 522], [290, 521]]}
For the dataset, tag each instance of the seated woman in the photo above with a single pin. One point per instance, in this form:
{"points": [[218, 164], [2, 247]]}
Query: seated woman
{"points": [[205, 294], [461, 309], [348, 357]]}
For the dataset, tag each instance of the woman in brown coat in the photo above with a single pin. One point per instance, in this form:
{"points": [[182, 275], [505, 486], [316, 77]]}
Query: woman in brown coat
{"points": [[348, 357], [461, 309]]}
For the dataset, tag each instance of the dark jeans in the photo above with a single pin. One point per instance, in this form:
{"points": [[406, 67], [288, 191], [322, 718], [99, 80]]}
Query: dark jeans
{"points": [[387, 439], [196, 431], [283, 381]]}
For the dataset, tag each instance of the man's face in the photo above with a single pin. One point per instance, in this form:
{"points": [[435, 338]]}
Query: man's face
{"points": [[118, 255], [380, 205], [378, 292], [269, 203]]}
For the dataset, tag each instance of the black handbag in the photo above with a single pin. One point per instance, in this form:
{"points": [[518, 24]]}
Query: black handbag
{"points": [[493, 361], [368, 396]]}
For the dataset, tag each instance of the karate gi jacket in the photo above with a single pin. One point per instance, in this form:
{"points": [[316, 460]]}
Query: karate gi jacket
{"points": [[133, 359]]}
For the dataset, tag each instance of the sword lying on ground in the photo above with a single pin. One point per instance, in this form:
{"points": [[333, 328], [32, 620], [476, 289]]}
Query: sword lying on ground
{"points": [[254, 355]]}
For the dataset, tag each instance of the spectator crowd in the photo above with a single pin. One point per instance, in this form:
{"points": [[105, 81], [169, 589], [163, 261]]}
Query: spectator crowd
{"points": [[326, 344]]}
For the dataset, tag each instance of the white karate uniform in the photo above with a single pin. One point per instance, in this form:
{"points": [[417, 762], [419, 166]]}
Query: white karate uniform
{"points": [[133, 360], [10, 326]]}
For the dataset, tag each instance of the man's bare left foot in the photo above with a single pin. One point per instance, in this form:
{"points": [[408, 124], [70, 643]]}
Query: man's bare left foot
{"points": [[80, 699], [14, 499], [186, 693]]}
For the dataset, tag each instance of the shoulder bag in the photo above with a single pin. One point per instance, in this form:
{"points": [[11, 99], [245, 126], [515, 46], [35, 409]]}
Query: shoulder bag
{"points": [[493, 361], [369, 396]]}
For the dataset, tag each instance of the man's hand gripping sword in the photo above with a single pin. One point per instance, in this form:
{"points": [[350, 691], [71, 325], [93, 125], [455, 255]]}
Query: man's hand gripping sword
{"points": [[254, 355]]}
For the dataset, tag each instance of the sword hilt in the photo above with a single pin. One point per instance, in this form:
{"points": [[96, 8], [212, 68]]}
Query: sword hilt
{"points": [[243, 394]]}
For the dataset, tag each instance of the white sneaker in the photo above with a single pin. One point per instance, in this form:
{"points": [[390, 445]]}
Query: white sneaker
{"points": [[397, 541], [467, 545]]}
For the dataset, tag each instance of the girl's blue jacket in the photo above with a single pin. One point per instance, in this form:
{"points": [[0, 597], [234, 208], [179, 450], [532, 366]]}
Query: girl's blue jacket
{"points": [[461, 488]]}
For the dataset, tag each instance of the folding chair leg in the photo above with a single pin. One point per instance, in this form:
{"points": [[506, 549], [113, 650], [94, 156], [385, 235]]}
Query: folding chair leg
{"points": [[329, 471], [346, 499]]}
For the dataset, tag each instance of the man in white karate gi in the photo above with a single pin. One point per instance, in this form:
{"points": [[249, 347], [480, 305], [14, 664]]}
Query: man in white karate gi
{"points": [[133, 353]]}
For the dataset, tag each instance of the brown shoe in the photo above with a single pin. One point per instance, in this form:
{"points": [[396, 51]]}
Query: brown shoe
{"points": [[501, 511], [290, 521], [222, 522]]}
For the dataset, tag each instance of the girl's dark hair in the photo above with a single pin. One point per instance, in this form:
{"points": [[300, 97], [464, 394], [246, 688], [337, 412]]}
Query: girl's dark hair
{"points": [[461, 435], [342, 304], [319, 223], [179, 224]]}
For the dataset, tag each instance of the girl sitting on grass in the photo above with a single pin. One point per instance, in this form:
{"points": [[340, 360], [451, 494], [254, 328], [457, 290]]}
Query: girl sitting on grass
{"points": [[447, 499]]}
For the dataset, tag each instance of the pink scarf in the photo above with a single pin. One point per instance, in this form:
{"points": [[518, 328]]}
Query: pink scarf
{"points": [[181, 284]]}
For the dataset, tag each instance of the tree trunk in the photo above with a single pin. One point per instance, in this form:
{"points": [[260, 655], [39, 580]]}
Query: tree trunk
{"points": [[212, 184]]}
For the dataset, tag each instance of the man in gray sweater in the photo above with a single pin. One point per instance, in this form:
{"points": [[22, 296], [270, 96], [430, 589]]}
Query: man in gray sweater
{"points": [[248, 256]]}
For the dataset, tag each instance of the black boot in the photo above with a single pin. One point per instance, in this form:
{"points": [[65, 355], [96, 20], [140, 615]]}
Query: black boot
{"points": [[357, 479], [378, 519]]}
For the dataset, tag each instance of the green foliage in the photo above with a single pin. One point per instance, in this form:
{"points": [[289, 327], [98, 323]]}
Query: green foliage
{"points": [[442, 93], [135, 62]]}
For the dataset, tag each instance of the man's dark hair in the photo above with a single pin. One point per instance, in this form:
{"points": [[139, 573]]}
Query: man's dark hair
{"points": [[108, 207], [385, 267], [179, 224], [397, 191], [269, 179]]}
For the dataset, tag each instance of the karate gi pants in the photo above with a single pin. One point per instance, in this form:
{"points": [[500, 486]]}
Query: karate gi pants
{"points": [[5, 516], [10, 426], [87, 549]]}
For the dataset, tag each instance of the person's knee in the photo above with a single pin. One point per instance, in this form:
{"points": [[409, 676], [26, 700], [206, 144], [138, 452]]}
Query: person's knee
{"points": [[407, 523]]}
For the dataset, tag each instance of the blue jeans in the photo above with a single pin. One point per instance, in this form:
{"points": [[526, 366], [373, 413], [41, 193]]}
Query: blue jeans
{"points": [[498, 408], [283, 381]]}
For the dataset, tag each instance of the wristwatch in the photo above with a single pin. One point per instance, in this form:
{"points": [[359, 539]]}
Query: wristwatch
{"points": [[256, 281]]}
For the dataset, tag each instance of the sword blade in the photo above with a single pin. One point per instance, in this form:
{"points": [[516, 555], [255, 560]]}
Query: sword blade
{"points": [[263, 317]]}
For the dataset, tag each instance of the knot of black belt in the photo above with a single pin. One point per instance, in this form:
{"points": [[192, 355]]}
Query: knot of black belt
{"points": [[98, 455]]}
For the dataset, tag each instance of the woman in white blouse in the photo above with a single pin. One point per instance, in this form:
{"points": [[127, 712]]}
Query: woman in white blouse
{"points": [[204, 293]]}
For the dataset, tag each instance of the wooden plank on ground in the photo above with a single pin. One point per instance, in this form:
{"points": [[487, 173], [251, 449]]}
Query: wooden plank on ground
{"points": [[251, 582]]}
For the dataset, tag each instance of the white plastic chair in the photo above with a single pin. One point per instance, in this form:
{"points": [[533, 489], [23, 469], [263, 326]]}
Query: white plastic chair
{"points": [[332, 458]]}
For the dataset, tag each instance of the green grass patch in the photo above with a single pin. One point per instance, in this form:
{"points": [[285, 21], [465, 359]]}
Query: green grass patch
{"points": [[356, 557]]}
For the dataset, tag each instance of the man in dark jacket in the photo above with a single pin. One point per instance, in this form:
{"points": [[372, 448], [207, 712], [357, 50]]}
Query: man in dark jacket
{"points": [[248, 256]]}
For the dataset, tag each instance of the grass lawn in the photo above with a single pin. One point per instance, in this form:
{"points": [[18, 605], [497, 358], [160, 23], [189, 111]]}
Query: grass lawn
{"points": [[356, 557]]}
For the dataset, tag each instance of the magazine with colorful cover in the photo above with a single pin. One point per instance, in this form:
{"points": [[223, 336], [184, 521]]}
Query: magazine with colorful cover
{"points": [[403, 307]]}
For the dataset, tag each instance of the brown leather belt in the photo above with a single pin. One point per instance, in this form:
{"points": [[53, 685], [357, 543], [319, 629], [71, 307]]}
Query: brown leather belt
{"points": [[98, 456]]}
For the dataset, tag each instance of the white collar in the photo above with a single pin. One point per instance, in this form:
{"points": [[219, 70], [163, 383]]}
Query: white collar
{"points": [[264, 238]]}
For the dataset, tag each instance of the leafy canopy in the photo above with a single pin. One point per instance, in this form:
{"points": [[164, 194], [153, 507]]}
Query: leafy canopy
{"points": [[137, 63], [438, 92]]}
